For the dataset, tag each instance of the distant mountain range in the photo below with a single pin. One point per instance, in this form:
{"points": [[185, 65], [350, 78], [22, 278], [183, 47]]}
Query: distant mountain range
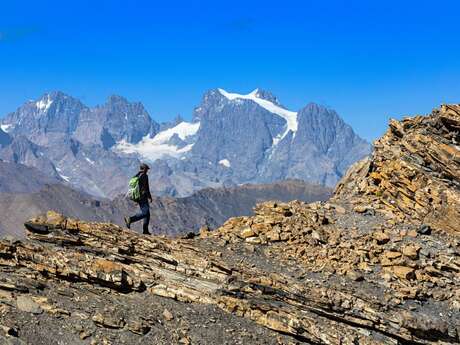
{"points": [[232, 139], [25, 193]]}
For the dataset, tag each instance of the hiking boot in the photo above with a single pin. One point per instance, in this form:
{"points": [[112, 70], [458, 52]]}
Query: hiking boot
{"points": [[127, 222], [146, 232]]}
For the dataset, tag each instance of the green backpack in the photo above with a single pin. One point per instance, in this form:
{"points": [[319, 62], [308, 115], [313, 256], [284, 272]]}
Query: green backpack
{"points": [[133, 189]]}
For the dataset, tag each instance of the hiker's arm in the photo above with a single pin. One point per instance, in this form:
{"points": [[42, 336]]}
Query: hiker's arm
{"points": [[149, 196]]}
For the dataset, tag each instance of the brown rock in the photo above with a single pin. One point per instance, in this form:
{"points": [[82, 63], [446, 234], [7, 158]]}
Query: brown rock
{"points": [[354, 275], [108, 320], [403, 272], [381, 237], [168, 315], [412, 233], [247, 232], [84, 334], [411, 251], [360, 209], [139, 327], [391, 255], [295, 286], [253, 240]]}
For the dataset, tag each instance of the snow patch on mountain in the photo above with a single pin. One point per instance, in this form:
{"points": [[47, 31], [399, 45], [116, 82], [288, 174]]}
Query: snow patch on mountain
{"points": [[65, 178], [158, 146], [225, 163], [183, 130], [6, 128], [44, 104], [89, 161], [289, 116]]}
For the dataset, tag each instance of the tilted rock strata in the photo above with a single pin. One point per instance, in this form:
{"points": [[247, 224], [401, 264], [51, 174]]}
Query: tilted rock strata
{"points": [[415, 170], [204, 271]]}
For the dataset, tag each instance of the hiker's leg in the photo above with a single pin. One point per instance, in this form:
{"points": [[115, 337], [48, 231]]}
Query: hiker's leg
{"points": [[145, 208], [141, 214], [145, 225]]}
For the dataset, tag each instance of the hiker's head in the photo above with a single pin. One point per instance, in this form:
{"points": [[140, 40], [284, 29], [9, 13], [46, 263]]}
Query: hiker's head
{"points": [[144, 168]]}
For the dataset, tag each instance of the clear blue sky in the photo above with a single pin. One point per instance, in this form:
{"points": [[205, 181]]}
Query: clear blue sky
{"points": [[369, 60]]}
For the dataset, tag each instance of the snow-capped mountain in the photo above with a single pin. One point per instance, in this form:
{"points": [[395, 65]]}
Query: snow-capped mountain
{"points": [[171, 142], [232, 139], [51, 118]]}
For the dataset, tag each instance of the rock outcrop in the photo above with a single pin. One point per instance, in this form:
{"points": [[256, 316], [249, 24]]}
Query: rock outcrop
{"points": [[415, 171], [376, 264]]}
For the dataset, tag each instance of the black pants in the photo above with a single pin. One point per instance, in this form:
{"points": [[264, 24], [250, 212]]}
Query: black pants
{"points": [[143, 214]]}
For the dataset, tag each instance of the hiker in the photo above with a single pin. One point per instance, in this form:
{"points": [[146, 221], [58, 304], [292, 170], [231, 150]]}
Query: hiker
{"points": [[140, 193]]}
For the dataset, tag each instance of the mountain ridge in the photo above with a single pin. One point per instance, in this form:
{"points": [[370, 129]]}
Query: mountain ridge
{"points": [[233, 139]]}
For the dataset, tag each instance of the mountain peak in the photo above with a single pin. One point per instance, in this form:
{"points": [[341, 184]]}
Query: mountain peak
{"points": [[44, 103], [55, 95], [312, 106], [256, 93], [48, 98], [267, 95], [114, 99]]}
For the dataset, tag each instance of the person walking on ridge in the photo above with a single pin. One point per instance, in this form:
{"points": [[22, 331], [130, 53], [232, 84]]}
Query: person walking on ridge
{"points": [[143, 200]]}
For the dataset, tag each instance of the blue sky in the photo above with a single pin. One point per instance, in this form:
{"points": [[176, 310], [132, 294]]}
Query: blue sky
{"points": [[369, 60]]}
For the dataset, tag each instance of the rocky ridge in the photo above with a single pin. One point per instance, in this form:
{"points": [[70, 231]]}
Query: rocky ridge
{"points": [[414, 173], [373, 265]]}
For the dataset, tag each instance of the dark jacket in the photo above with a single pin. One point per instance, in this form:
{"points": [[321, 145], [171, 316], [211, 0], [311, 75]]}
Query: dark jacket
{"points": [[144, 188]]}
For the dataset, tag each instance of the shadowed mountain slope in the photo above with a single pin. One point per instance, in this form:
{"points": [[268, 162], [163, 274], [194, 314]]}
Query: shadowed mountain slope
{"points": [[170, 216], [212, 207]]}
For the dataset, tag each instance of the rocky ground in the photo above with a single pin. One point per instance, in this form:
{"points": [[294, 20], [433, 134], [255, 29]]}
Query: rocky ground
{"points": [[379, 263]]}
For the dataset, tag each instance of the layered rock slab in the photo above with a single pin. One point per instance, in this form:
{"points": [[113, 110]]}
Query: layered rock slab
{"points": [[296, 292], [414, 172]]}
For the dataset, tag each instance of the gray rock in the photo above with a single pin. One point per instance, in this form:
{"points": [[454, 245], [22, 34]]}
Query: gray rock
{"points": [[11, 341], [27, 304]]}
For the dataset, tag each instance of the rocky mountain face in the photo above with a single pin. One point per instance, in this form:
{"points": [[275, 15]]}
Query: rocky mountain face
{"points": [[62, 137], [379, 263], [52, 118], [321, 150], [116, 121], [253, 139], [233, 139], [21, 150]]}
